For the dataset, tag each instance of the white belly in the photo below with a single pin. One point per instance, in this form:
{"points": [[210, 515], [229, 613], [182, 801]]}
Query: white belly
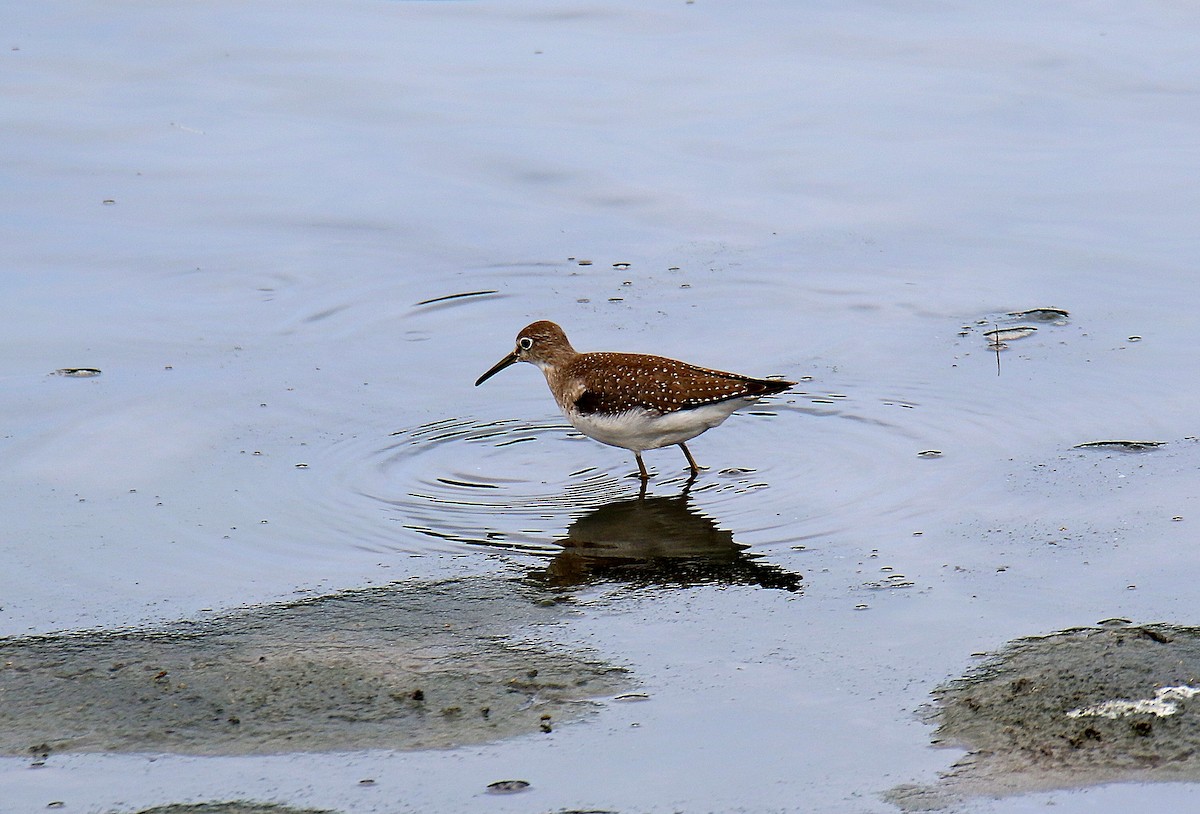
{"points": [[640, 429]]}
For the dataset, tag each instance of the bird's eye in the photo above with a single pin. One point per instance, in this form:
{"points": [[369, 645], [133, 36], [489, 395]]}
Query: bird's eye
{"points": [[525, 342]]}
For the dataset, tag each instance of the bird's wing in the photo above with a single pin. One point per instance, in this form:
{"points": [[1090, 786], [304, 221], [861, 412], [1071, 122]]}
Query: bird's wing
{"points": [[616, 382]]}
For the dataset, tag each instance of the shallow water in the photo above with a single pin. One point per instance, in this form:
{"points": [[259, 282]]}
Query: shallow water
{"points": [[291, 237]]}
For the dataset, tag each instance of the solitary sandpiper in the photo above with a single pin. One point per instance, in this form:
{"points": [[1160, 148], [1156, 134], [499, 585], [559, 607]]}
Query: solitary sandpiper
{"points": [[633, 400]]}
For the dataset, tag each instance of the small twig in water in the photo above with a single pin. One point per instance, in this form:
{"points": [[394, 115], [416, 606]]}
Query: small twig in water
{"points": [[996, 345]]}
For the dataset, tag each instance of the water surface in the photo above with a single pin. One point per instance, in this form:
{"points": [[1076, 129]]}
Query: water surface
{"points": [[291, 236]]}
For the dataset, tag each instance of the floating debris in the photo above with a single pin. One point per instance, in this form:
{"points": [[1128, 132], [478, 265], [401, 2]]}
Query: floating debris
{"points": [[432, 300], [230, 807], [1164, 703], [632, 696], [998, 335], [78, 372], [1130, 445], [1043, 314], [507, 786], [891, 581]]}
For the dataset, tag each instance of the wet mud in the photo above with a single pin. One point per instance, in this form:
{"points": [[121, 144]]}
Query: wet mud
{"points": [[410, 666], [230, 807], [1075, 708]]}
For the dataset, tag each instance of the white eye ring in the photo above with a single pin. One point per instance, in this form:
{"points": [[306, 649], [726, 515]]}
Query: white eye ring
{"points": [[525, 342]]}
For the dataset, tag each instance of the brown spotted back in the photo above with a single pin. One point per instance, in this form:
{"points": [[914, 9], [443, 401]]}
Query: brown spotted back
{"points": [[616, 382]]}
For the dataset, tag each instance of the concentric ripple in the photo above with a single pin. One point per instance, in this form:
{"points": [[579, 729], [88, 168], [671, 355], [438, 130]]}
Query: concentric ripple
{"points": [[835, 464], [786, 470], [464, 482]]}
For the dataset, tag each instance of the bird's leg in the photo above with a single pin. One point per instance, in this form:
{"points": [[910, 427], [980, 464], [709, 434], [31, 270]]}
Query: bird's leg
{"points": [[691, 460], [644, 475], [687, 486]]}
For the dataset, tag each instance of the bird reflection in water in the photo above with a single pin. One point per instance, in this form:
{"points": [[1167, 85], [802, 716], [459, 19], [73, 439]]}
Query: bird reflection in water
{"points": [[657, 541]]}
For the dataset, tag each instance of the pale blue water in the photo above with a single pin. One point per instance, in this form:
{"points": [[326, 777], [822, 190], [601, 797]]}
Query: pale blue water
{"points": [[236, 211]]}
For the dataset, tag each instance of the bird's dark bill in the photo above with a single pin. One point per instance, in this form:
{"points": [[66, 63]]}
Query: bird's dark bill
{"points": [[511, 359]]}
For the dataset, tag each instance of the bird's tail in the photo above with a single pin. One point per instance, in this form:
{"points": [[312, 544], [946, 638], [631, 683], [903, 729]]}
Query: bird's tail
{"points": [[766, 387]]}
